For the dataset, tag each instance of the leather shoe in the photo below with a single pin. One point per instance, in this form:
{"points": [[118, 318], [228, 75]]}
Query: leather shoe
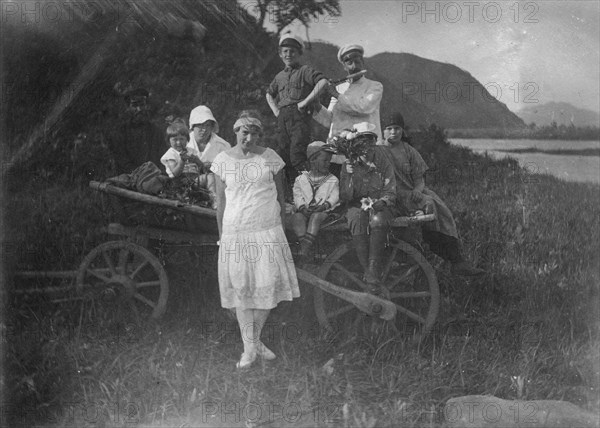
{"points": [[465, 268]]}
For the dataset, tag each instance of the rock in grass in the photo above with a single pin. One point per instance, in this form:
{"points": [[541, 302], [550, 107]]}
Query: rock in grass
{"points": [[481, 411]]}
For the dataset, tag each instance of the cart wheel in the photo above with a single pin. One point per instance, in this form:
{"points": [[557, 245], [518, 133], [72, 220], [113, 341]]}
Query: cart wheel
{"points": [[409, 282], [126, 273]]}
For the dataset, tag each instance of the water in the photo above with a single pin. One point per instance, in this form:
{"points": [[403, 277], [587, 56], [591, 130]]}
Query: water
{"points": [[571, 167]]}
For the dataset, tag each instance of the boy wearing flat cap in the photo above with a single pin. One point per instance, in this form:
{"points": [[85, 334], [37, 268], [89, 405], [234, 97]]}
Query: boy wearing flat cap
{"points": [[292, 90], [352, 101]]}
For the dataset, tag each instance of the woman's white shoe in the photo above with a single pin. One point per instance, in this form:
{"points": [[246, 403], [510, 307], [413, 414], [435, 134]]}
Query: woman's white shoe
{"points": [[246, 360], [264, 352]]}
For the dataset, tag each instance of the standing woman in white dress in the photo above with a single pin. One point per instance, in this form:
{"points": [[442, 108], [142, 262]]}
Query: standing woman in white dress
{"points": [[256, 270]]}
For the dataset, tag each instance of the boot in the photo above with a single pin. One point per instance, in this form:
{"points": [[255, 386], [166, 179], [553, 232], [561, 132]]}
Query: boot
{"points": [[306, 243], [361, 246], [448, 248], [464, 268], [444, 246], [377, 241]]}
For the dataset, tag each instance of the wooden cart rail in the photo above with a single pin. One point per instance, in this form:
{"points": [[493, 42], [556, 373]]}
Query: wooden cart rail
{"points": [[153, 200], [401, 221]]}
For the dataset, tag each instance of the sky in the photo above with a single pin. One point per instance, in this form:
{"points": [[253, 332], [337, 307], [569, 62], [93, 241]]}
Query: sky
{"points": [[524, 52]]}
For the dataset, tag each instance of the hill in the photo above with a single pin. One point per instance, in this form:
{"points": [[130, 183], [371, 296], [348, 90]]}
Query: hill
{"points": [[561, 113], [425, 91]]}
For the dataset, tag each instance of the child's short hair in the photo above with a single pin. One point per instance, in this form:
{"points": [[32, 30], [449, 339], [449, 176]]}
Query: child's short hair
{"points": [[176, 128]]}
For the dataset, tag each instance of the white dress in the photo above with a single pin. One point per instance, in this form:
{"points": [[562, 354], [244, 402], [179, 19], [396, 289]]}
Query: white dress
{"points": [[256, 269]]}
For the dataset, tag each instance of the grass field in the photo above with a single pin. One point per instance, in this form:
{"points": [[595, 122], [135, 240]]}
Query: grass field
{"points": [[527, 330]]}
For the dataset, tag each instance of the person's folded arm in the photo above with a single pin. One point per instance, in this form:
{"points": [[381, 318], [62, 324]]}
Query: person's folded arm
{"points": [[365, 104]]}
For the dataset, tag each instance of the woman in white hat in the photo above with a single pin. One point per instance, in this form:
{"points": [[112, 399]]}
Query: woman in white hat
{"points": [[204, 140], [203, 134]]}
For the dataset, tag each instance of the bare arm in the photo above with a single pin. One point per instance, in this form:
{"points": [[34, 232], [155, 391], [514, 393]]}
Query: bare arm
{"points": [[220, 202], [323, 115], [175, 167], [272, 104], [321, 84], [280, 194]]}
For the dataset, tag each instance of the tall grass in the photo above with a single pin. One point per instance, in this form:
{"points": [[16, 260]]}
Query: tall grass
{"points": [[527, 330]]}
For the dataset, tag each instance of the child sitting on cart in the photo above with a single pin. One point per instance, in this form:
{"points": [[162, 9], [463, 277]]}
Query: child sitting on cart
{"points": [[182, 161], [412, 195], [368, 187], [316, 193]]}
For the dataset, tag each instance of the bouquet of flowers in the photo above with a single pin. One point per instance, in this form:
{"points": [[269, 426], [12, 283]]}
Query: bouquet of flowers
{"points": [[351, 143]]}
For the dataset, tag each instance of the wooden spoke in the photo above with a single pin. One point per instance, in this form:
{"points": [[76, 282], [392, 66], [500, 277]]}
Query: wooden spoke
{"points": [[109, 262], [144, 299], [99, 267], [399, 280], [147, 284], [408, 279], [139, 269], [98, 275], [410, 314], [123, 256], [386, 270], [351, 276]]}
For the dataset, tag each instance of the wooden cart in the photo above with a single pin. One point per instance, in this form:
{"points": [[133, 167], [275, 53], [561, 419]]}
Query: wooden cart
{"points": [[127, 268]]}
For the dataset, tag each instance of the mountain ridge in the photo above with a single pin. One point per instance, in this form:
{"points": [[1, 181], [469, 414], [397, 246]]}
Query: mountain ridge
{"points": [[424, 90], [562, 113]]}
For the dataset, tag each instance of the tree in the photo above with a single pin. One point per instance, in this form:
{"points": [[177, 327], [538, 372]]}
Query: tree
{"points": [[284, 12]]}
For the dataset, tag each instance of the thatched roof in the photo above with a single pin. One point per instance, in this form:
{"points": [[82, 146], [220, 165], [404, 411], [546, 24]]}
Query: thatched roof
{"points": [[118, 19]]}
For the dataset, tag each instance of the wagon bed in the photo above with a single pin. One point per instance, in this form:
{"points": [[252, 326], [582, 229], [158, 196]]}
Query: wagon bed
{"points": [[409, 303], [126, 273]]}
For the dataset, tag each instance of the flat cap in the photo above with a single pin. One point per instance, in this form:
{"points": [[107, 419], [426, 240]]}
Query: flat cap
{"points": [[292, 40]]}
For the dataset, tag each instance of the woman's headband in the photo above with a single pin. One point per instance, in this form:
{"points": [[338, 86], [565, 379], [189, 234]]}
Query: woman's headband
{"points": [[247, 121]]}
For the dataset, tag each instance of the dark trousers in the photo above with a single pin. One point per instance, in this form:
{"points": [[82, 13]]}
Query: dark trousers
{"points": [[294, 137]]}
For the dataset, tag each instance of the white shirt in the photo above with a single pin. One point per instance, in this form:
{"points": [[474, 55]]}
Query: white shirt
{"points": [[214, 146], [358, 102], [328, 191], [175, 156]]}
